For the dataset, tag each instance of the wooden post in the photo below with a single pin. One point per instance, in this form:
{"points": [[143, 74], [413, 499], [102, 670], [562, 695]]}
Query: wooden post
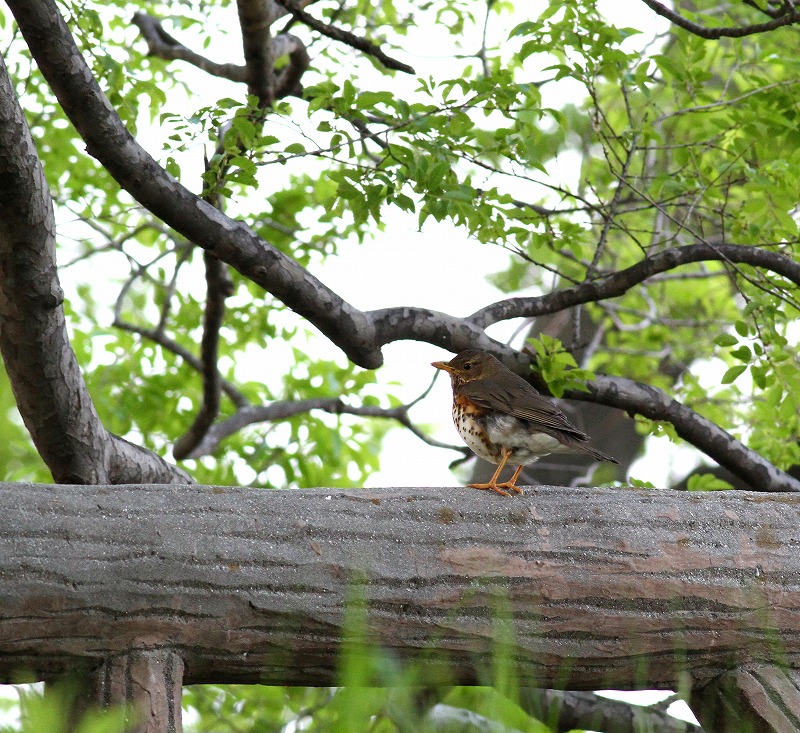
{"points": [[148, 683], [758, 699]]}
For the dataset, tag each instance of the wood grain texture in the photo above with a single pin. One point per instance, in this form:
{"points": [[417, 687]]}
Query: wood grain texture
{"points": [[606, 587]]}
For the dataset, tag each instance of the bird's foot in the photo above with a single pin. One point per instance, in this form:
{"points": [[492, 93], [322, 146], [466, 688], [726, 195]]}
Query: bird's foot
{"points": [[494, 487], [509, 485]]}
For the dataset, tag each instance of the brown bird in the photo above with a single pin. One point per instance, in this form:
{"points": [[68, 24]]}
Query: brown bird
{"points": [[501, 417]]}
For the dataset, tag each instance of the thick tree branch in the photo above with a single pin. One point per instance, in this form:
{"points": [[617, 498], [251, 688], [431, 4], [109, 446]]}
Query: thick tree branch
{"points": [[109, 141], [44, 373], [343, 36], [789, 17], [162, 44], [255, 19], [715, 442]]}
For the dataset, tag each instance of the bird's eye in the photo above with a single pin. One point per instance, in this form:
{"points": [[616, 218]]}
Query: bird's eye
{"points": [[467, 366]]}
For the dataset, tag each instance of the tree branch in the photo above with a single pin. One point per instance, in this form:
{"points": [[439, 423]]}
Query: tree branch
{"points": [[255, 19], [620, 282], [162, 44], [789, 17], [288, 82], [705, 435], [45, 376], [282, 410], [218, 287], [338, 34], [160, 338]]}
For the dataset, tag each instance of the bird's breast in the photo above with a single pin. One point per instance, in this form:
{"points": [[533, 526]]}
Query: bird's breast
{"points": [[470, 423]]}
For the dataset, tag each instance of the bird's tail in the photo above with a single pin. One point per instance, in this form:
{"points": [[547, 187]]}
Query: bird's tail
{"points": [[582, 444]]}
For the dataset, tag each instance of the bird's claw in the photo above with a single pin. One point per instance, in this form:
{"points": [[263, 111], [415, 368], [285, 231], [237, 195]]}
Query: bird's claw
{"points": [[497, 488]]}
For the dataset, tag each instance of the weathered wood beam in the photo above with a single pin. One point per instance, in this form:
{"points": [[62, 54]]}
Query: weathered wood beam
{"points": [[607, 588]]}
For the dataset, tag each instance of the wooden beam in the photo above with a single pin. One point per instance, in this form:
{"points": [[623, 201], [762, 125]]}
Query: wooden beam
{"points": [[606, 588]]}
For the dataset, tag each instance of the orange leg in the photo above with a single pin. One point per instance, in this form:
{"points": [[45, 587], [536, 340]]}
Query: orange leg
{"points": [[498, 488], [512, 483]]}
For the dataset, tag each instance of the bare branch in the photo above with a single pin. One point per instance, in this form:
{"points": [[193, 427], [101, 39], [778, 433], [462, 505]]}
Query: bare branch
{"points": [[162, 44], [789, 17], [338, 34]]}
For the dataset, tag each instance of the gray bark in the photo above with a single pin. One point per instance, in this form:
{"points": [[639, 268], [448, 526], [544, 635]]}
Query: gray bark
{"points": [[42, 368]]}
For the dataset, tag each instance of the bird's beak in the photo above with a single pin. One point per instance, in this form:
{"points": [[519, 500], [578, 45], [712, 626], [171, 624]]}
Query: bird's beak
{"points": [[442, 365]]}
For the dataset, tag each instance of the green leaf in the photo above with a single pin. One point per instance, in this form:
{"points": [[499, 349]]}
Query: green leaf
{"points": [[726, 339], [733, 373], [743, 353]]}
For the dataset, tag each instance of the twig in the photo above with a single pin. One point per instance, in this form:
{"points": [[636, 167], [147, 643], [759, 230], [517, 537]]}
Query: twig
{"points": [[284, 409], [174, 347]]}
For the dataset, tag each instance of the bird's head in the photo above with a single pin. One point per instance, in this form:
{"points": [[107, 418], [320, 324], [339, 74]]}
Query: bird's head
{"points": [[469, 365]]}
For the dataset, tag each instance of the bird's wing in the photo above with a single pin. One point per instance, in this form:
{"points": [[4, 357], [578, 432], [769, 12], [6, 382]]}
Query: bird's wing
{"points": [[526, 404], [511, 398]]}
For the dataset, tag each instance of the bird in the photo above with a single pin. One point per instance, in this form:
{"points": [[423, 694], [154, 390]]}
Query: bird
{"points": [[502, 418]]}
